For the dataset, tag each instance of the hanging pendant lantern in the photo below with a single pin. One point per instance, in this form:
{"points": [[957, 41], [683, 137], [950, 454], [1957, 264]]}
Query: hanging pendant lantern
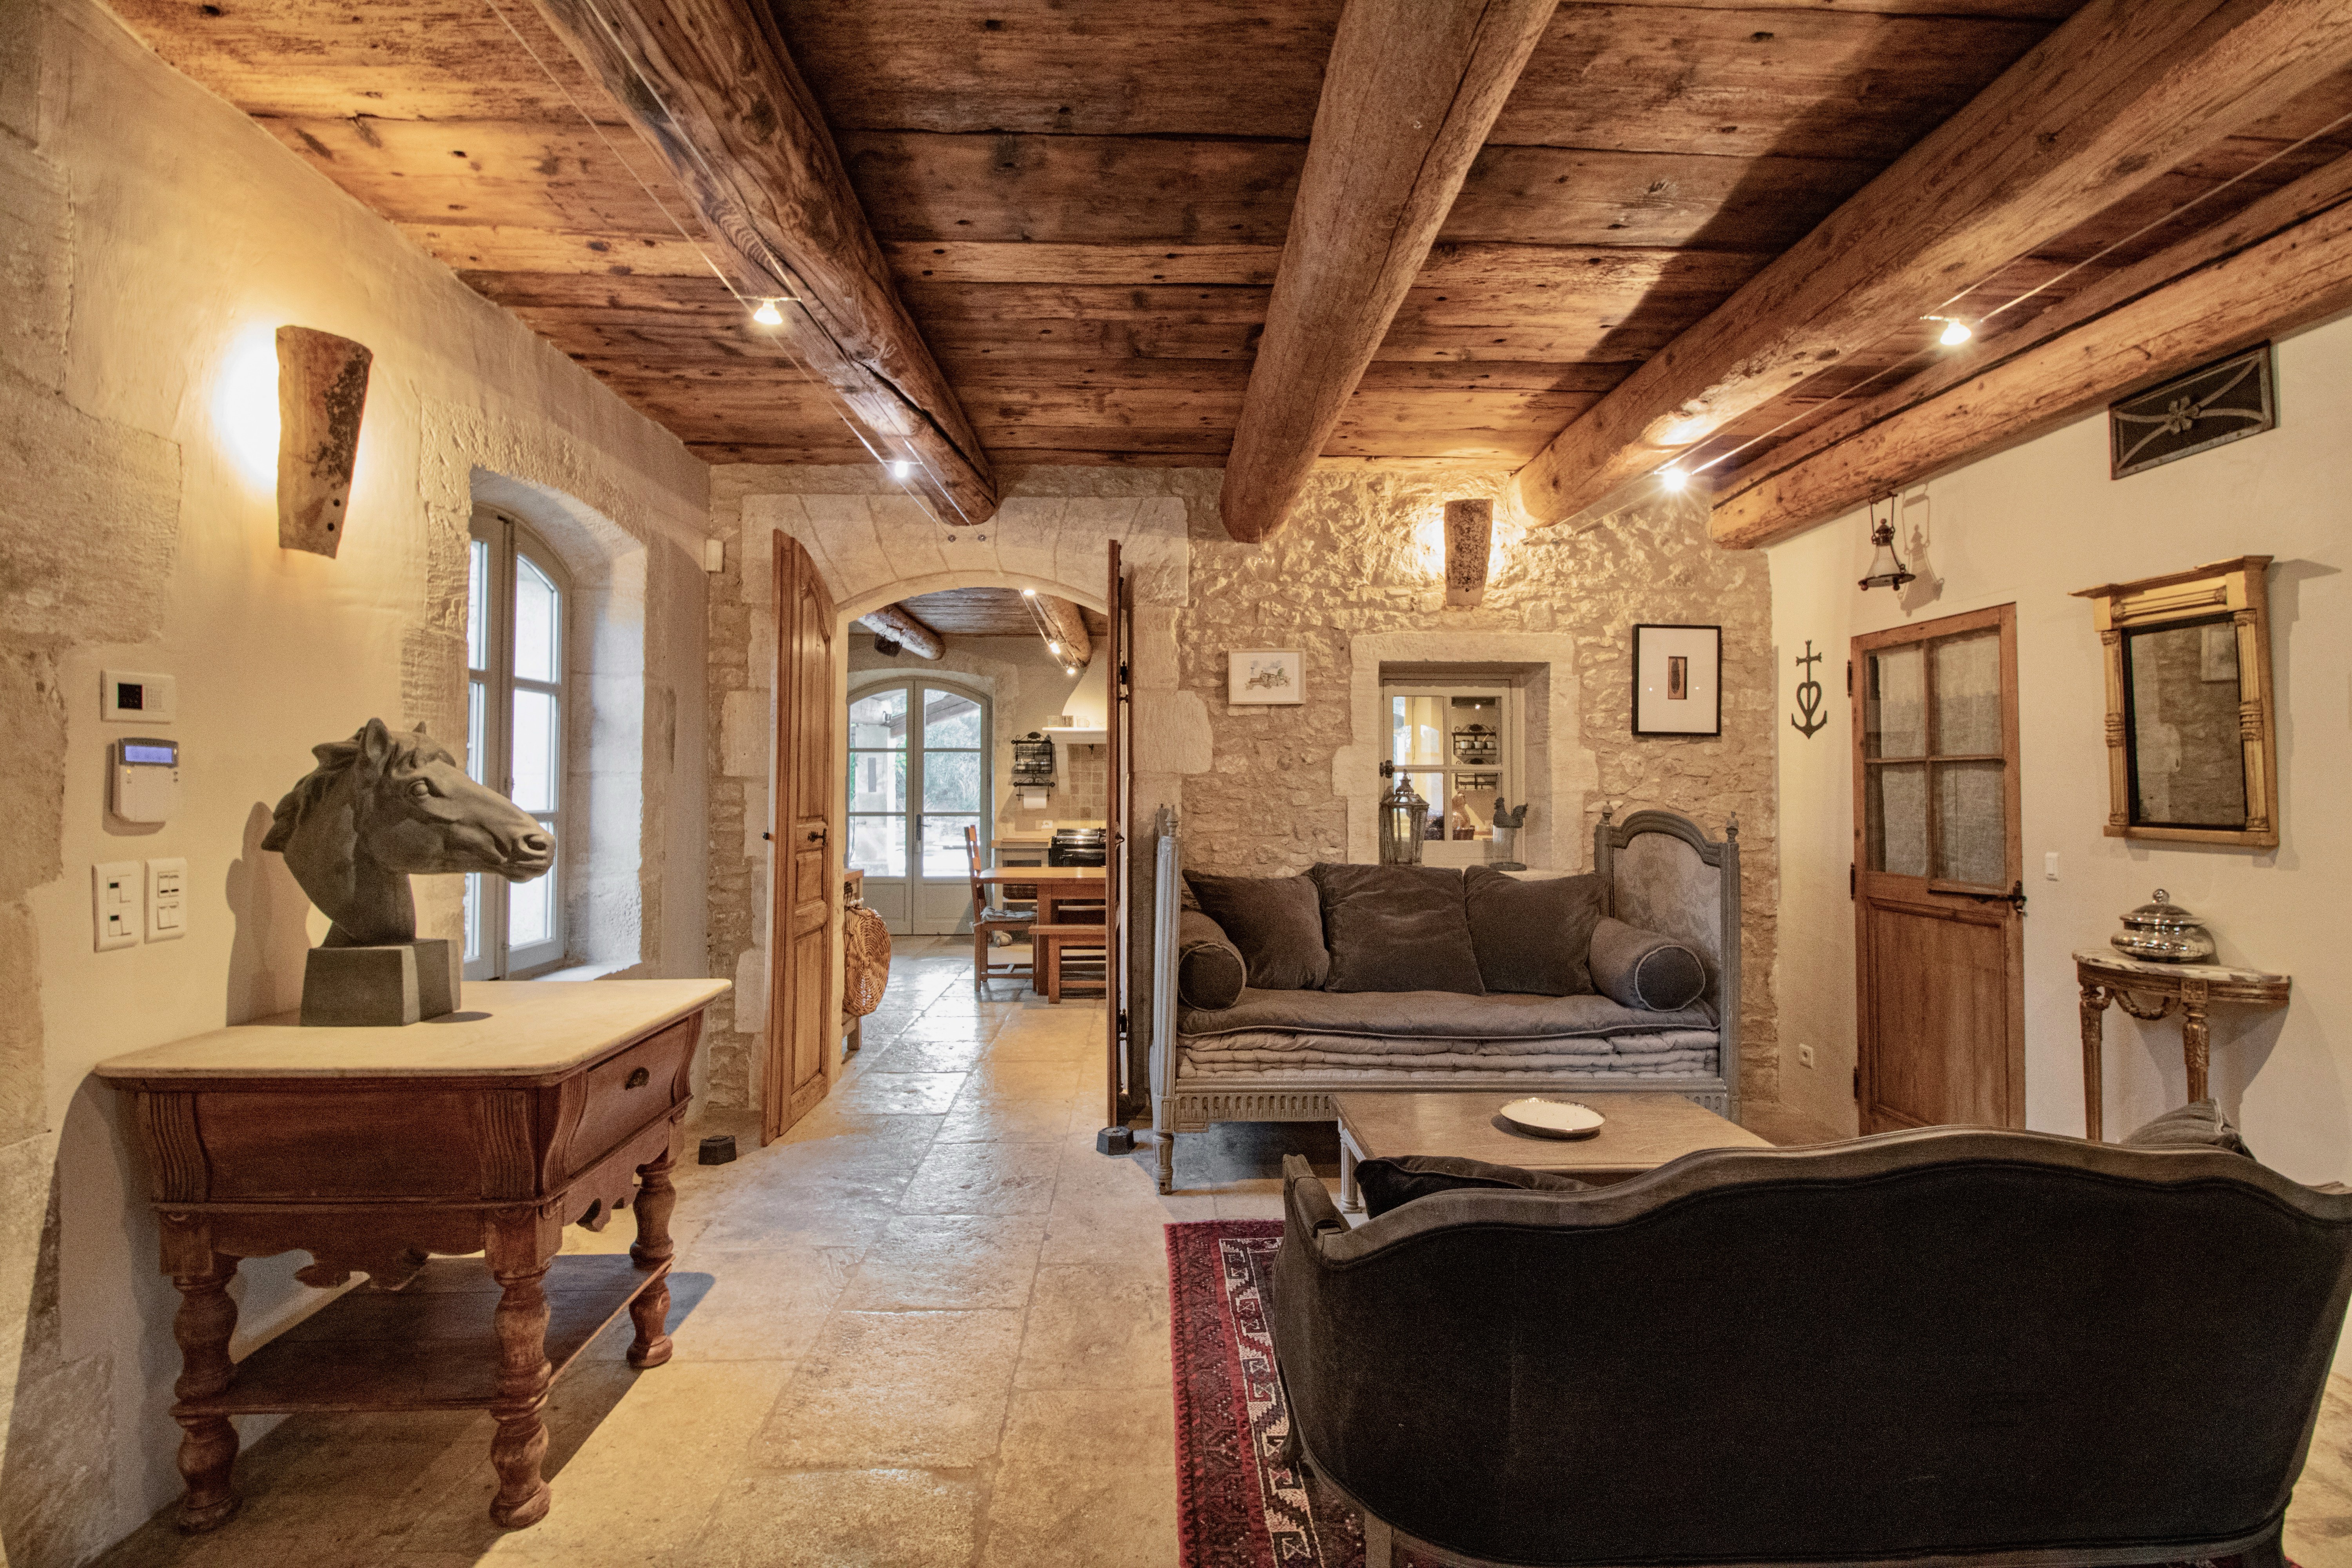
{"points": [[1887, 568], [1403, 817]]}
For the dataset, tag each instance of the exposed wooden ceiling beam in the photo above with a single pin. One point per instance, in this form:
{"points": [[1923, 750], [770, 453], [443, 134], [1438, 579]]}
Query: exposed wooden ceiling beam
{"points": [[898, 624], [2118, 95], [2284, 263], [1069, 627], [711, 88], [1410, 89], [1753, 507]]}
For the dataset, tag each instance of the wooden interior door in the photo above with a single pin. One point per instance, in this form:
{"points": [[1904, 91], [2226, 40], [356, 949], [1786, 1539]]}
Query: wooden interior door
{"points": [[805, 883], [1116, 806], [1938, 881]]}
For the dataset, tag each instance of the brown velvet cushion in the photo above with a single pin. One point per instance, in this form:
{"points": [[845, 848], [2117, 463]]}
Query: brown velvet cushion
{"points": [[1210, 969], [1531, 937], [1396, 928], [1277, 922], [1385, 1183], [2200, 1124]]}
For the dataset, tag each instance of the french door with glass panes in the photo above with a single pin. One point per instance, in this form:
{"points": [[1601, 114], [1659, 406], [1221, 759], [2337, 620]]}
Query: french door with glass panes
{"points": [[918, 775], [1456, 744], [1938, 895], [516, 598]]}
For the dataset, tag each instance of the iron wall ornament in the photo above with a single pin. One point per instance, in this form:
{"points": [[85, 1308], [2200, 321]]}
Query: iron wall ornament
{"points": [[2225, 401], [1809, 719]]}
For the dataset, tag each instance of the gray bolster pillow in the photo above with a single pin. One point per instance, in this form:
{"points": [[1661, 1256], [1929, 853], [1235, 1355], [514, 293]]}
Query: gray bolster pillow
{"points": [[1637, 968], [1210, 973]]}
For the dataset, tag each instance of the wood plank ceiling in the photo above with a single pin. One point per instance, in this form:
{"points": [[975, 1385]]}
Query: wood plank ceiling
{"points": [[1084, 203]]}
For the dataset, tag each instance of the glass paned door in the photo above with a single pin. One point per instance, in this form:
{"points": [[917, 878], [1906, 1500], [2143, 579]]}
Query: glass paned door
{"points": [[919, 777], [1456, 748], [1933, 764]]}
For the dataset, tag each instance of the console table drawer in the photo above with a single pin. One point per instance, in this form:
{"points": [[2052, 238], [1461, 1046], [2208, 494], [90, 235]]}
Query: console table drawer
{"points": [[629, 1088]]}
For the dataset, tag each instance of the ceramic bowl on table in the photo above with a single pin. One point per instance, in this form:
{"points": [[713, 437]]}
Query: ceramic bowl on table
{"points": [[1540, 1118]]}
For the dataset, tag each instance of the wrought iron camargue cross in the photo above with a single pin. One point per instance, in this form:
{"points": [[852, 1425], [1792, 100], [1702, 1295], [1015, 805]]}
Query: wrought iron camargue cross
{"points": [[1809, 717]]}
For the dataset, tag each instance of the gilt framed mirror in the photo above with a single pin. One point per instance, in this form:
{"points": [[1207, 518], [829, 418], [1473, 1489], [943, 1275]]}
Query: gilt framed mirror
{"points": [[2192, 748]]}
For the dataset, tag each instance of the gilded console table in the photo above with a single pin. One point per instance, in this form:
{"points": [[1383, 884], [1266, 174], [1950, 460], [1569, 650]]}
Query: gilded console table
{"points": [[2106, 975], [539, 1104]]}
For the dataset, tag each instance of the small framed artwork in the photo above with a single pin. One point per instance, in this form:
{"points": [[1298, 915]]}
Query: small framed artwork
{"points": [[1678, 681], [1260, 676]]}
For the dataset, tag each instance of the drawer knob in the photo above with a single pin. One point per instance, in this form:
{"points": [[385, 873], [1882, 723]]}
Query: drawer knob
{"points": [[637, 1079]]}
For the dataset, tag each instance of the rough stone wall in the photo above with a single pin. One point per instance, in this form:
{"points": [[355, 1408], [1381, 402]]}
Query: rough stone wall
{"points": [[1355, 560]]}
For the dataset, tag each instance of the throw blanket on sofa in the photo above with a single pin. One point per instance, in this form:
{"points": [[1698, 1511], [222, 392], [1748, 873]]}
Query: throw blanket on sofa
{"points": [[1671, 1053], [1434, 1015]]}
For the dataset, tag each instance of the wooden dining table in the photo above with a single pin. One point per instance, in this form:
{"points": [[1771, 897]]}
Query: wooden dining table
{"points": [[1057, 886]]}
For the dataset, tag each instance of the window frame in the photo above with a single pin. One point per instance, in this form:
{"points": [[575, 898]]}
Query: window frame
{"points": [[489, 750], [915, 751], [1449, 850]]}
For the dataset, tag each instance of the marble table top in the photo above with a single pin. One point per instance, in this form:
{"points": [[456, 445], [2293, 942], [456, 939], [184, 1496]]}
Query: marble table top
{"points": [[502, 1028], [2114, 959]]}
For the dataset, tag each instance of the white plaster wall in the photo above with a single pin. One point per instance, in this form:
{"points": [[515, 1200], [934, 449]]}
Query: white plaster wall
{"points": [[2031, 525], [164, 235]]}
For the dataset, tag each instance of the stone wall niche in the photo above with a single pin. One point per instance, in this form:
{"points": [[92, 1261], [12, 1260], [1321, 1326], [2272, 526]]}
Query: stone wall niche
{"points": [[1557, 771]]}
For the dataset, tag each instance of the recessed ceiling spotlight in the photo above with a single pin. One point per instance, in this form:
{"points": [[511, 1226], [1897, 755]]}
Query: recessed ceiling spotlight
{"points": [[767, 315], [1672, 478], [901, 468], [1955, 334], [1028, 592]]}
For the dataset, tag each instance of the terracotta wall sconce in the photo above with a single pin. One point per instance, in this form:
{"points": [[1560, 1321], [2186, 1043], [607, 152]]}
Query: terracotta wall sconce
{"points": [[323, 383]]}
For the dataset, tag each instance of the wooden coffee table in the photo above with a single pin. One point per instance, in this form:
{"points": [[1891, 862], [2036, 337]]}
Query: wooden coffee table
{"points": [[1644, 1130]]}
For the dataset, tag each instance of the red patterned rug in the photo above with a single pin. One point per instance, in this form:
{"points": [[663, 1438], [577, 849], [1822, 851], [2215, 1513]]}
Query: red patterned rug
{"points": [[1237, 1504]]}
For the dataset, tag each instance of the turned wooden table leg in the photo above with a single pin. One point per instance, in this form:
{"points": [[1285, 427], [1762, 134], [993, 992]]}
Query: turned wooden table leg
{"points": [[657, 1197], [206, 1319], [2095, 1011], [2196, 1044], [521, 1445]]}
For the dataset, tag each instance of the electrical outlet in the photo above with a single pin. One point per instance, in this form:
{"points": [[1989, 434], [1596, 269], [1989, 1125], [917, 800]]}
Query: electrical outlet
{"points": [[167, 900], [114, 903], [1804, 1055]]}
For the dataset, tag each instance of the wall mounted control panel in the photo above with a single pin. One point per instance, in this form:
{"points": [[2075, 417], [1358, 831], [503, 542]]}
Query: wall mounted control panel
{"points": [[146, 779], [127, 695]]}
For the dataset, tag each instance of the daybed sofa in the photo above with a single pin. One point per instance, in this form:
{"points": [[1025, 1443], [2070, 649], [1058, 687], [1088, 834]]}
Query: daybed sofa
{"points": [[1660, 888], [1938, 1346]]}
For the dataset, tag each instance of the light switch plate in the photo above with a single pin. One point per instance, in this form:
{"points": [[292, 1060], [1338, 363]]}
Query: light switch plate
{"points": [[114, 897], [128, 697], [167, 900], [2050, 865]]}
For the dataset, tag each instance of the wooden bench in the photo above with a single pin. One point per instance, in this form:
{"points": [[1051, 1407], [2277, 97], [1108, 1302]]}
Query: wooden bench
{"points": [[1047, 943]]}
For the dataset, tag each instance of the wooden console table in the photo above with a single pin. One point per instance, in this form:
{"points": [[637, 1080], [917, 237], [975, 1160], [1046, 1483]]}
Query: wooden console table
{"points": [[538, 1104], [2106, 975]]}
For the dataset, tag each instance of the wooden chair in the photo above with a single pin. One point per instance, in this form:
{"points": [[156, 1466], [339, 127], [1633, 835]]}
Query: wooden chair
{"points": [[1050, 945], [986, 920]]}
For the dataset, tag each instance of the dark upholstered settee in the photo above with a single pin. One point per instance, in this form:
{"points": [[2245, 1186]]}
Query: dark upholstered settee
{"points": [[1929, 1346], [1281, 1056]]}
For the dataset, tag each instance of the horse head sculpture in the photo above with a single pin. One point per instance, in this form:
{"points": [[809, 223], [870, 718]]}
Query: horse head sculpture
{"points": [[382, 806]]}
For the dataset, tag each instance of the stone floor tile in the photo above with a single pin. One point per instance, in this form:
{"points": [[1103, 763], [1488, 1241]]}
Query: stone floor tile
{"points": [[1092, 1326], [932, 1262], [983, 1178], [883, 1389], [987, 1120], [1052, 1080], [1083, 1516], [929, 1055], [764, 1305], [1114, 1232], [1047, 1427], [922, 1093], [845, 1518]]}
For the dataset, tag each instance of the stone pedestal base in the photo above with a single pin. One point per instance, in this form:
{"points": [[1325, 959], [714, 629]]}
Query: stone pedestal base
{"points": [[400, 983]]}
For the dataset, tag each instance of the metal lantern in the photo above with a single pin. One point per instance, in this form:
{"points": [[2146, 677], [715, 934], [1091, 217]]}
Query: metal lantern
{"points": [[1887, 568], [1403, 817]]}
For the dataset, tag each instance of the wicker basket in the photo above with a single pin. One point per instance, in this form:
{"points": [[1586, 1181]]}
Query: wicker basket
{"points": [[866, 945]]}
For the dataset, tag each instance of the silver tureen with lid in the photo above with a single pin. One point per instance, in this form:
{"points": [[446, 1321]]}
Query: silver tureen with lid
{"points": [[2164, 931]]}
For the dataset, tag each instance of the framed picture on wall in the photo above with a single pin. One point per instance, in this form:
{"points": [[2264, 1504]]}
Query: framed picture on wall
{"points": [[1259, 675], [1678, 681]]}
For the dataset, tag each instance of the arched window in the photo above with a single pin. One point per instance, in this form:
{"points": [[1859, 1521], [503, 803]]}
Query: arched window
{"points": [[517, 604], [918, 775]]}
